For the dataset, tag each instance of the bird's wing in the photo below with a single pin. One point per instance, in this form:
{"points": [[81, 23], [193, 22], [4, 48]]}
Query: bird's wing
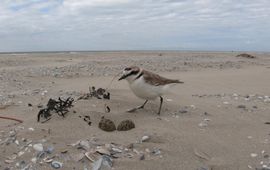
{"points": [[157, 80]]}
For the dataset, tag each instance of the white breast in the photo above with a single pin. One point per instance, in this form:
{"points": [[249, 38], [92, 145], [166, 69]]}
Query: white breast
{"points": [[146, 91]]}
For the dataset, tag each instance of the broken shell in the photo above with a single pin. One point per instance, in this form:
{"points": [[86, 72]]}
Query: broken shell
{"points": [[91, 156], [47, 160], [142, 157], [41, 155], [84, 144], [145, 138], [74, 144], [77, 157], [203, 124], [104, 162], [34, 160], [50, 149], [103, 151], [20, 153], [253, 155], [17, 142], [38, 147], [117, 150], [156, 151], [12, 157], [106, 125], [56, 164], [8, 161], [126, 125], [20, 164]]}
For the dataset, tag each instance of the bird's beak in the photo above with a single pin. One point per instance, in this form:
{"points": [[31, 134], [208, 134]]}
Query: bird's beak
{"points": [[122, 77]]}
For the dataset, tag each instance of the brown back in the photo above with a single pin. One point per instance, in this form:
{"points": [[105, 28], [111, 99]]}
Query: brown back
{"points": [[157, 80]]}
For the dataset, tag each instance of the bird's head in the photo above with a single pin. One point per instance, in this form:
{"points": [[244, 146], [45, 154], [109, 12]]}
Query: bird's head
{"points": [[130, 73]]}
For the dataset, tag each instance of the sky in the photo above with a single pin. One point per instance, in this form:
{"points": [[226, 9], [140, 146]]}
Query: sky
{"points": [[75, 25]]}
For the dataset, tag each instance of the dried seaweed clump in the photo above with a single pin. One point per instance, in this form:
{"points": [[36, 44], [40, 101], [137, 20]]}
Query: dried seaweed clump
{"points": [[100, 93], [244, 55], [61, 107]]}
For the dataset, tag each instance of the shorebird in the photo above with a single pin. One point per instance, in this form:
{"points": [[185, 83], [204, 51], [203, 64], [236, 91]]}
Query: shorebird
{"points": [[147, 85]]}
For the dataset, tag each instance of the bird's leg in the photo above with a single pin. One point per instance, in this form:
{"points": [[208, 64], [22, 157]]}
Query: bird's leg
{"points": [[139, 107], [161, 101], [142, 106]]}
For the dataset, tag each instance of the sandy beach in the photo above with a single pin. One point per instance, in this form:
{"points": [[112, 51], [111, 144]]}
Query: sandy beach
{"points": [[218, 119]]}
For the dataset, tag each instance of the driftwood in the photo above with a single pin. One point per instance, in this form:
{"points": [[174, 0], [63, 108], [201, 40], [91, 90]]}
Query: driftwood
{"points": [[11, 118]]}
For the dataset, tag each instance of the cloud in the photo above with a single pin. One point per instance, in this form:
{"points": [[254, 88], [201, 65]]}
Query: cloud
{"points": [[28, 25]]}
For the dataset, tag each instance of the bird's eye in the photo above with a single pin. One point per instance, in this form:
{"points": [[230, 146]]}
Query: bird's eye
{"points": [[127, 69]]}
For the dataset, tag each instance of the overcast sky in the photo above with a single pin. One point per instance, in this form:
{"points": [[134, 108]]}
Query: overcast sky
{"points": [[57, 25]]}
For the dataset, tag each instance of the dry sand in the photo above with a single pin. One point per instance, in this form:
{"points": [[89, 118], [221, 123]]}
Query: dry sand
{"points": [[214, 133]]}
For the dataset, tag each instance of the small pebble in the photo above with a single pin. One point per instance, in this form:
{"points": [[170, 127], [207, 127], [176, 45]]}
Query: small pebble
{"points": [[142, 157], [241, 106], [156, 151], [253, 155], [182, 111], [34, 160], [50, 149]]}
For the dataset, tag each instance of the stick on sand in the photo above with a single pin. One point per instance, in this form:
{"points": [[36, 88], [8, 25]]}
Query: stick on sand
{"points": [[10, 118]]}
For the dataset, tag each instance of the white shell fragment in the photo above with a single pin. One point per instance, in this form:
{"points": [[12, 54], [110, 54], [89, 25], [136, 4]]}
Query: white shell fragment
{"points": [[103, 163], [253, 155], [145, 138], [56, 164], [38, 147]]}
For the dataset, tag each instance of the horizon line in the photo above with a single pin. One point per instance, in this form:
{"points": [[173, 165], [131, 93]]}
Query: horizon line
{"points": [[70, 51]]}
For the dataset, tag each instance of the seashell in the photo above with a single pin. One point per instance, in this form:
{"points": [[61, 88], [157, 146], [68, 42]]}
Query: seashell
{"points": [[253, 155], [38, 147], [56, 164], [145, 138], [91, 156], [75, 144], [117, 150], [20, 153], [8, 161], [34, 160], [47, 160], [84, 144], [103, 151], [17, 142], [77, 157], [50, 149], [105, 162]]}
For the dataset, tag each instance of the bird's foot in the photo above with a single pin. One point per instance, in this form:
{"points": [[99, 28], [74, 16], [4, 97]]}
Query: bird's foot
{"points": [[132, 110]]}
